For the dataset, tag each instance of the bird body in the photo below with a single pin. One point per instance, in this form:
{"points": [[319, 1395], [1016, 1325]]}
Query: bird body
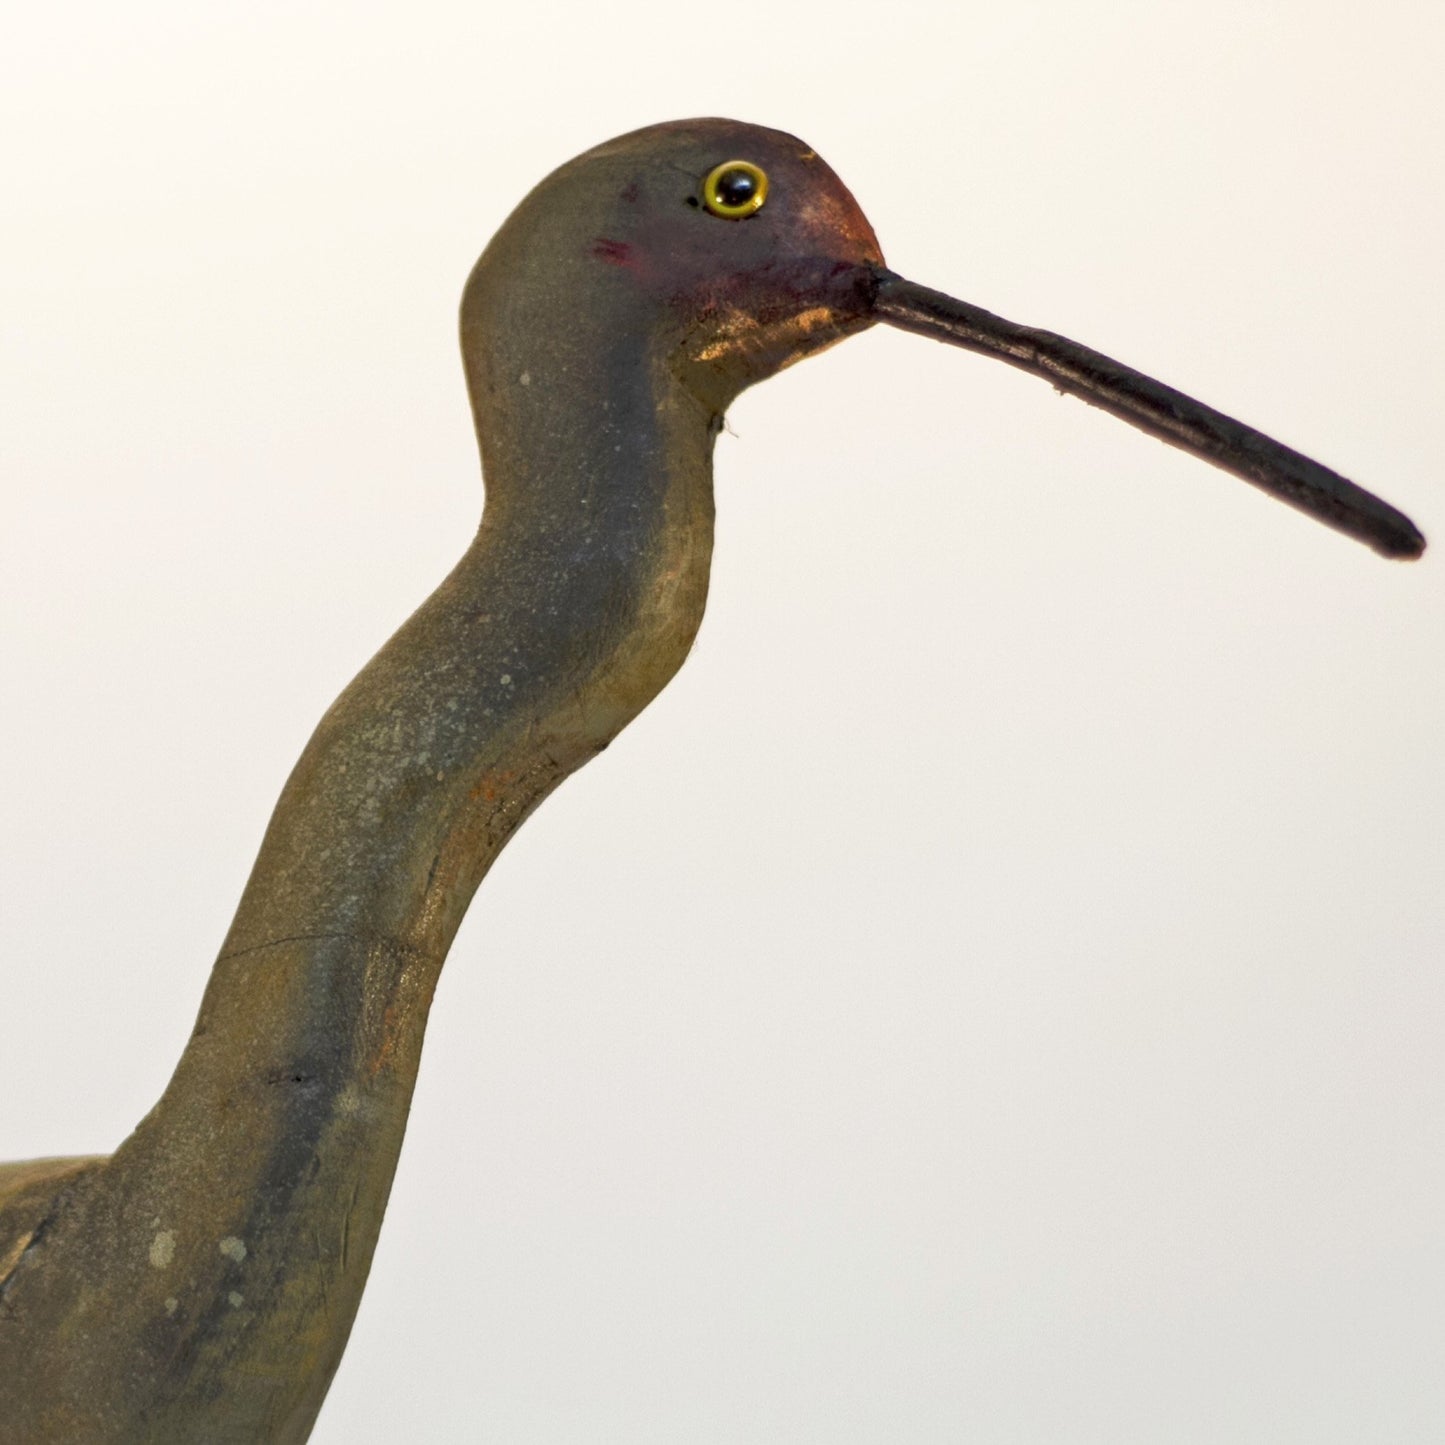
{"points": [[201, 1282]]}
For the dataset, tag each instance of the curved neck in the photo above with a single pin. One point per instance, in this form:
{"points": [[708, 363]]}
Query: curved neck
{"points": [[576, 603], [221, 1253]]}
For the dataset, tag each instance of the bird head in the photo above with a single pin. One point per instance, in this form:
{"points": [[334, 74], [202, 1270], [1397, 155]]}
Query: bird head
{"points": [[724, 252]]}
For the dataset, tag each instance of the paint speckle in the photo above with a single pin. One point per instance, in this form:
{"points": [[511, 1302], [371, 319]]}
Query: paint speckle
{"points": [[163, 1248], [616, 253], [525, 378], [236, 1300], [506, 679], [233, 1248], [172, 1304]]}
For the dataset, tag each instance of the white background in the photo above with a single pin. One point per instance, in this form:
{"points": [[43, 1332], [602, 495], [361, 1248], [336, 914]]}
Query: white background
{"points": [[997, 992]]}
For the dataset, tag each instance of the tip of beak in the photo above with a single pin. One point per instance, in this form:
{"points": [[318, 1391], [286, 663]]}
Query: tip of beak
{"points": [[1407, 546]]}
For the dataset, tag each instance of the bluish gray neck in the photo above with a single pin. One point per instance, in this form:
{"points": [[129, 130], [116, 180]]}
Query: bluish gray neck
{"points": [[221, 1253], [577, 601]]}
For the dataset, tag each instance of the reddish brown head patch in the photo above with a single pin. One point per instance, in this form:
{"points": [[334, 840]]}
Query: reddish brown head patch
{"points": [[617, 253]]}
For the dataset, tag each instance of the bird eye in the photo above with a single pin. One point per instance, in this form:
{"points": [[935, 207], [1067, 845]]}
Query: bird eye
{"points": [[735, 189]]}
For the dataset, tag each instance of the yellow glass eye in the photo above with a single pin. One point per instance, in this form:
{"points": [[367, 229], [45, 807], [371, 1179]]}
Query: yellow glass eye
{"points": [[735, 189]]}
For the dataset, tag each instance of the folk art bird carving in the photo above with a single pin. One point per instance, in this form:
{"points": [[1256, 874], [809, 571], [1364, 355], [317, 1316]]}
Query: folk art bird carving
{"points": [[201, 1282]]}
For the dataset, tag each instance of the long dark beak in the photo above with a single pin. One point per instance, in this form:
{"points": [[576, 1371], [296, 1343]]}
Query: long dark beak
{"points": [[1157, 409]]}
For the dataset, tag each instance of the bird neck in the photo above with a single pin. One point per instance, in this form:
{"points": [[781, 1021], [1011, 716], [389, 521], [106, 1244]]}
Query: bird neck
{"points": [[575, 604], [228, 1239]]}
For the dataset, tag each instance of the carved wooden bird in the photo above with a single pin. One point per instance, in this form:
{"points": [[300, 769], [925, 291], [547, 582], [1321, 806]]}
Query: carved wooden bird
{"points": [[200, 1283]]}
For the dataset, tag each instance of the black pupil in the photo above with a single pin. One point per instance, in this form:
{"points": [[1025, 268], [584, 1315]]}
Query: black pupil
{"points": [[736, 187]]}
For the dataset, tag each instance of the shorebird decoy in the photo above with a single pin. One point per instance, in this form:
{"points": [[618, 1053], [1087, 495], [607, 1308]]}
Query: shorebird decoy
{"points": [[200, 1283]]}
